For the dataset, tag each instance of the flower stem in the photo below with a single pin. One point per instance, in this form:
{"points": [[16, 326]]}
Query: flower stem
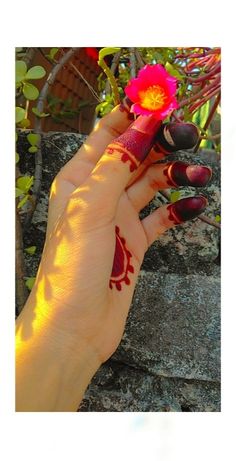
{"points": [[209, 119], [214, 71], [197, 55], [201, 93], [111, 79]]}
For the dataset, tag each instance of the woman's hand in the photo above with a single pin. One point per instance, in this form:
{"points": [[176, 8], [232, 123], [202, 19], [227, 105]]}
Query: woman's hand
{"points": [[75, 316]]}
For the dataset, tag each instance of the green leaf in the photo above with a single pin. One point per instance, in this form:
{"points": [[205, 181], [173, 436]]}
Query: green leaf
{"points": [[21, 70], [39, 114], [35, 73], [24, 123], [33, 138], [217, 218], [187, 115], [17, 157], [105, 51], [200, 116], [30, 250], [53, 53], [104, 108], [173, 71], [23, 201], [174, 196], [30, 91], [33, 149], [30, 282], [24, 183], [20, 114], [18, 192]]}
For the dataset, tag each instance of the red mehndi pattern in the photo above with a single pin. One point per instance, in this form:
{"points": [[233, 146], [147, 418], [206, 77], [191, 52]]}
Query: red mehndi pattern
{"points": [[121, 263]]}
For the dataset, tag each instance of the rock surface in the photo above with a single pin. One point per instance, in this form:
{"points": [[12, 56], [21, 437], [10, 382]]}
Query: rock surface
{"points": [[169, 357]]}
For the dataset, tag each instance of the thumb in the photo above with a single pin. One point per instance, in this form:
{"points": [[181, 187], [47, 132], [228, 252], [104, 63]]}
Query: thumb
{"points": [[123, 156]]}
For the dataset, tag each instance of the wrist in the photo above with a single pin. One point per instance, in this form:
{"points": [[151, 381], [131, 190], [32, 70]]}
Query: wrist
{"points": [[53, 368]]}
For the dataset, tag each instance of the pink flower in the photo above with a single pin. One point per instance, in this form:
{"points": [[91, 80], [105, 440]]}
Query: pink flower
{"points": [[152, 92]]}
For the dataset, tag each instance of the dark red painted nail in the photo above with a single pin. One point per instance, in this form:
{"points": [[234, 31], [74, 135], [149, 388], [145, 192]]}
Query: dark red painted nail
{"points": [[181, 174], [187, 208], [175, 136]]}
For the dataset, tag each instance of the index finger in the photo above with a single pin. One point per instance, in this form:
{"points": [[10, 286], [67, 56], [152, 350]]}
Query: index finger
{"points": [[107, 129]]}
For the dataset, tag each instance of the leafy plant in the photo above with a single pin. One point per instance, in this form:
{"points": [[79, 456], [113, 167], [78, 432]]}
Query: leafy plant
{"points": [[23, 186], [33, 140], [23, 76]]}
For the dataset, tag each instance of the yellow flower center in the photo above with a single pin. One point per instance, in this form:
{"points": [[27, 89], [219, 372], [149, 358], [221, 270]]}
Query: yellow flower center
{"points": [[153, 98]]}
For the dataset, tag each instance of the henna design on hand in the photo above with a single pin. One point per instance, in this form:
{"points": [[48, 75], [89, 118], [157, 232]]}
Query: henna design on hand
{"points": [[186, 208], [135, 144], [181, 174], [121, 264]]}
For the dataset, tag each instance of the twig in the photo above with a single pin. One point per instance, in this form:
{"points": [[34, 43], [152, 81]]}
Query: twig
{"points": [[38, 130], [86, 82], [209, 221], [212, 137], [176, 117], [209, 119], [196, 55], [139, 58], [206, 76], [77, 71], [114, 65], [21, 290], [132, 61], [200, 103], [201, 93], [201, 217]]}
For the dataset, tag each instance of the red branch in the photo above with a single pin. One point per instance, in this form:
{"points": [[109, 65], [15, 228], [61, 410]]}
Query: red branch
{"points": [[209, 119], [198, 104], [200, 55], [216, 69], [201, 93]]}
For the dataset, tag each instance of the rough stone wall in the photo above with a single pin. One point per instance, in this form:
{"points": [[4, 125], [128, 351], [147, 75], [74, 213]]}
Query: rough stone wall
{"points": [[169, 356]]}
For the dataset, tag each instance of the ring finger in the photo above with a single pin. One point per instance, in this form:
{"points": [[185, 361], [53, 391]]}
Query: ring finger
{"points": [[162, 176]]}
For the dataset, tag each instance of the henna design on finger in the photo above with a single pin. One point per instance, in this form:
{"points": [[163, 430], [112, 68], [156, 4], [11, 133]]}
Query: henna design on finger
{"points": [[175, 136], [186, 208], [181, 174], [121, 264], [135, 143]]}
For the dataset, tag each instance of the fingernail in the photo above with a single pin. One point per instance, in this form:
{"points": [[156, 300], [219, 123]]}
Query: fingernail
{"points": [[146, 124], [182, 174], [187, 208], [175, 136]]}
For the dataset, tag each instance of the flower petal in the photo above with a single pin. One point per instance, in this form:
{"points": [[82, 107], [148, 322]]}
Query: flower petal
{"points": [[154, 87]]}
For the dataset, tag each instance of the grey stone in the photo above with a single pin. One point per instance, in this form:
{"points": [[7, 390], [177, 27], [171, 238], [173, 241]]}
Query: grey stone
{"points": [[117, 387], [173, 329], [169, 356]]}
